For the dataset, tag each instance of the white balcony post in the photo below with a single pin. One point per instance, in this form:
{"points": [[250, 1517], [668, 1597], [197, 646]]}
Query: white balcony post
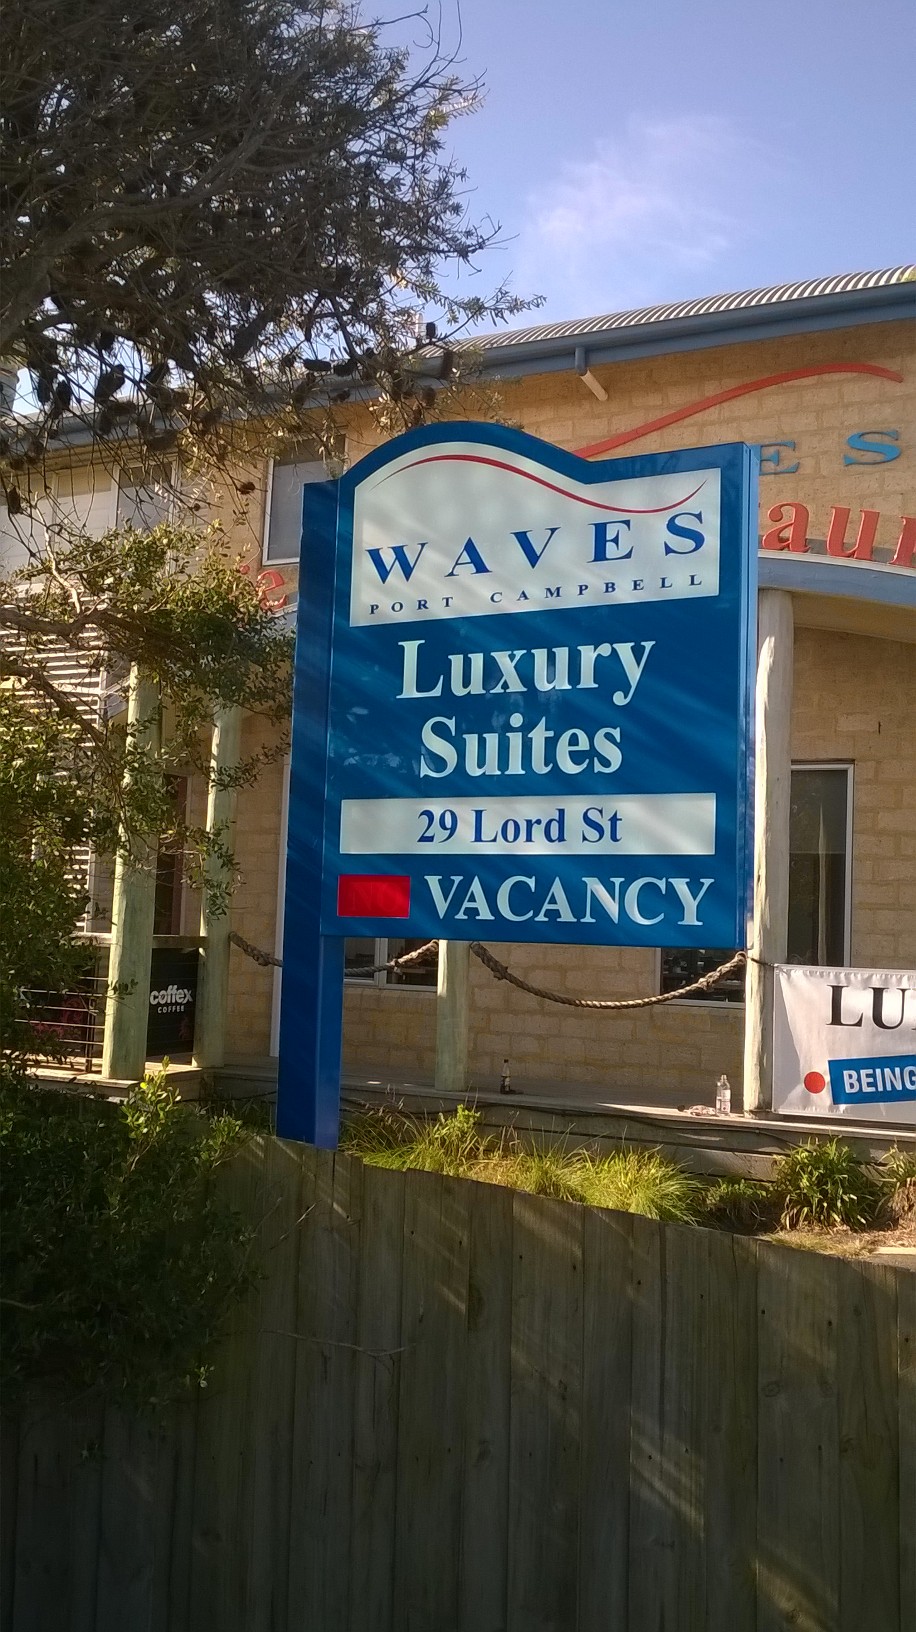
{"points": [[132, 913], [772, 801], [213, 982]]}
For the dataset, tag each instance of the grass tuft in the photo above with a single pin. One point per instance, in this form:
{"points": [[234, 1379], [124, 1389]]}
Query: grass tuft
{"points": [[631, 1181]]}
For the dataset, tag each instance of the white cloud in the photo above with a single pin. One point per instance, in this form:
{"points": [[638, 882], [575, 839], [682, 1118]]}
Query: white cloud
{"points": [[638, 221]]}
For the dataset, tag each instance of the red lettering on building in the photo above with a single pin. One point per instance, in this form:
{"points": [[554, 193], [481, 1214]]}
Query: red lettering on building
{"points": [[790, 533], [266, 581], [861, 550], [791, 529], [765, 383], [906, 544]]}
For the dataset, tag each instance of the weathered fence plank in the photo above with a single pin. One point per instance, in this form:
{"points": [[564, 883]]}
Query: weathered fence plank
{"points": [[322, 1427], [43, 1519], [129, 1524], [546, 1415], [431, 1403], [222, 1461], [869, 1471], [484, 1546], [376, 1391], [729, 1352], [798, 1458], [289, 1185], [906, 1429], [9, 1482], [654, 1531], [604, 1467]]}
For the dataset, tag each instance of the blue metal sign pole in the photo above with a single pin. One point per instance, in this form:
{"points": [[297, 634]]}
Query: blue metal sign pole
{"points": [[308, 1100], [522, 711]]}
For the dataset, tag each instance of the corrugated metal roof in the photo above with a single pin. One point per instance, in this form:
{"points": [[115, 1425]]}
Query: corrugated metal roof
{"points": [[710, 305]]}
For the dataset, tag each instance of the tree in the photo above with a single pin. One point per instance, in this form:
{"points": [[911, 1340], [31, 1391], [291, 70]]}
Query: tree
{"points": [[220, 219], [215, 208]]}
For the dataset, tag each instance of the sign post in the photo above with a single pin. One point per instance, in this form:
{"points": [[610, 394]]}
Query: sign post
{"points": [[522, 712]]}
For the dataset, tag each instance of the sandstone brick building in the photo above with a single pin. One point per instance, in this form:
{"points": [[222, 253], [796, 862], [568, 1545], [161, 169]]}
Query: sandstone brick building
{"points": [[823, 377]]}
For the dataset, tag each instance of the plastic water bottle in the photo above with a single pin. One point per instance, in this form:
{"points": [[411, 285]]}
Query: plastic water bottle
{"points": [[723, 1097], [505, 1082]]}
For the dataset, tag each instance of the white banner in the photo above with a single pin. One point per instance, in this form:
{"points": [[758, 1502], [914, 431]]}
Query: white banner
{"points": [[844, 1043]]}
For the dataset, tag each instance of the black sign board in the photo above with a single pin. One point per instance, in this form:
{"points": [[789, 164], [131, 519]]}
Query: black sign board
{"points": [[172, 1001]]}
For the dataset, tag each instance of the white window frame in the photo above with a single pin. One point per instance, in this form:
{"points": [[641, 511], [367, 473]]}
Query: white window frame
{"points": [[279, 560]]}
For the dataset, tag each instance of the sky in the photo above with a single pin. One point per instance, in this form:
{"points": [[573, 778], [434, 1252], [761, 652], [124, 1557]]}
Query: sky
{"points": [[658, 151]]}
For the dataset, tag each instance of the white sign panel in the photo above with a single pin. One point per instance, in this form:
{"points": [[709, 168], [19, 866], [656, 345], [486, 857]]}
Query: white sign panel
{"points": [[844, 1043], [425, 548]]}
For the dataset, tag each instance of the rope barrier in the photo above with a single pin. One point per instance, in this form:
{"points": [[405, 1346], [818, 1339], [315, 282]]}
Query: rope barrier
{"points": [[501, 971]]}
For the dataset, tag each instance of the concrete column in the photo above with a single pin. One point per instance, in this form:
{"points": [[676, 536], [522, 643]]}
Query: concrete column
{"points": [[772, 799], [132, 912], [213, 981], [452, 1017]]}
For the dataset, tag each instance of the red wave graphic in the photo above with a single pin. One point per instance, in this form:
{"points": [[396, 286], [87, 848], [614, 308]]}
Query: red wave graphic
{"points": [[499, 464], [763, 384]]}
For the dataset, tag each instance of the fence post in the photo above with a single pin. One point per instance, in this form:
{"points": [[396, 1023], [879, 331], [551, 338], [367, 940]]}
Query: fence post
{"points": [[213, 988], [772, 800], [452, 1017], [132, 911]]}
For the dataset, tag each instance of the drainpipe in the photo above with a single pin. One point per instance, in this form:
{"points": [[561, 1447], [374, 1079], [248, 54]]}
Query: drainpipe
{"points": [[587, 377]]}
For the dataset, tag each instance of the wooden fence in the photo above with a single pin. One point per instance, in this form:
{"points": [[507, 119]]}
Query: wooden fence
{"points": [[451, 1408]]}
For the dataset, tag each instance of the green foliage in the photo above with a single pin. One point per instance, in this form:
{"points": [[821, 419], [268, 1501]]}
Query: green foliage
{"points": [[387, 1138], [897, 1175], [120, 1258], [546, 1171], [41, 816], [826, 1184], [259, 218], [632, 1181], [741, 1205], [172, 601]]}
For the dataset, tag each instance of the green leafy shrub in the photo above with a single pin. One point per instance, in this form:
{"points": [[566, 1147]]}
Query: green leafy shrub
{"points": [[636, 1181], [897, 1174], [120, 1257], [740, 1204], [826, 1184]]}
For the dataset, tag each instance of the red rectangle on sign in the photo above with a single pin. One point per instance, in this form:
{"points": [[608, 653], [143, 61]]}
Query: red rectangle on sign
{"points": [[368, 895]]}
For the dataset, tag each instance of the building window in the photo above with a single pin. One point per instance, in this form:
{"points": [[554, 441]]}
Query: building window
{"points": [[146, 497], [361, 956], [820, 855], [283, 528], [681, 966]]}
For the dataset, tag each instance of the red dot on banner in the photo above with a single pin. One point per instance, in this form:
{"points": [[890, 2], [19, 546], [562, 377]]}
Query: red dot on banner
{"points": [[815, 1083]]}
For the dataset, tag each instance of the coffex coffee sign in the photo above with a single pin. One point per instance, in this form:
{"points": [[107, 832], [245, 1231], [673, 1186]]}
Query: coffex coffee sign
{"points": [[522, 699]]}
